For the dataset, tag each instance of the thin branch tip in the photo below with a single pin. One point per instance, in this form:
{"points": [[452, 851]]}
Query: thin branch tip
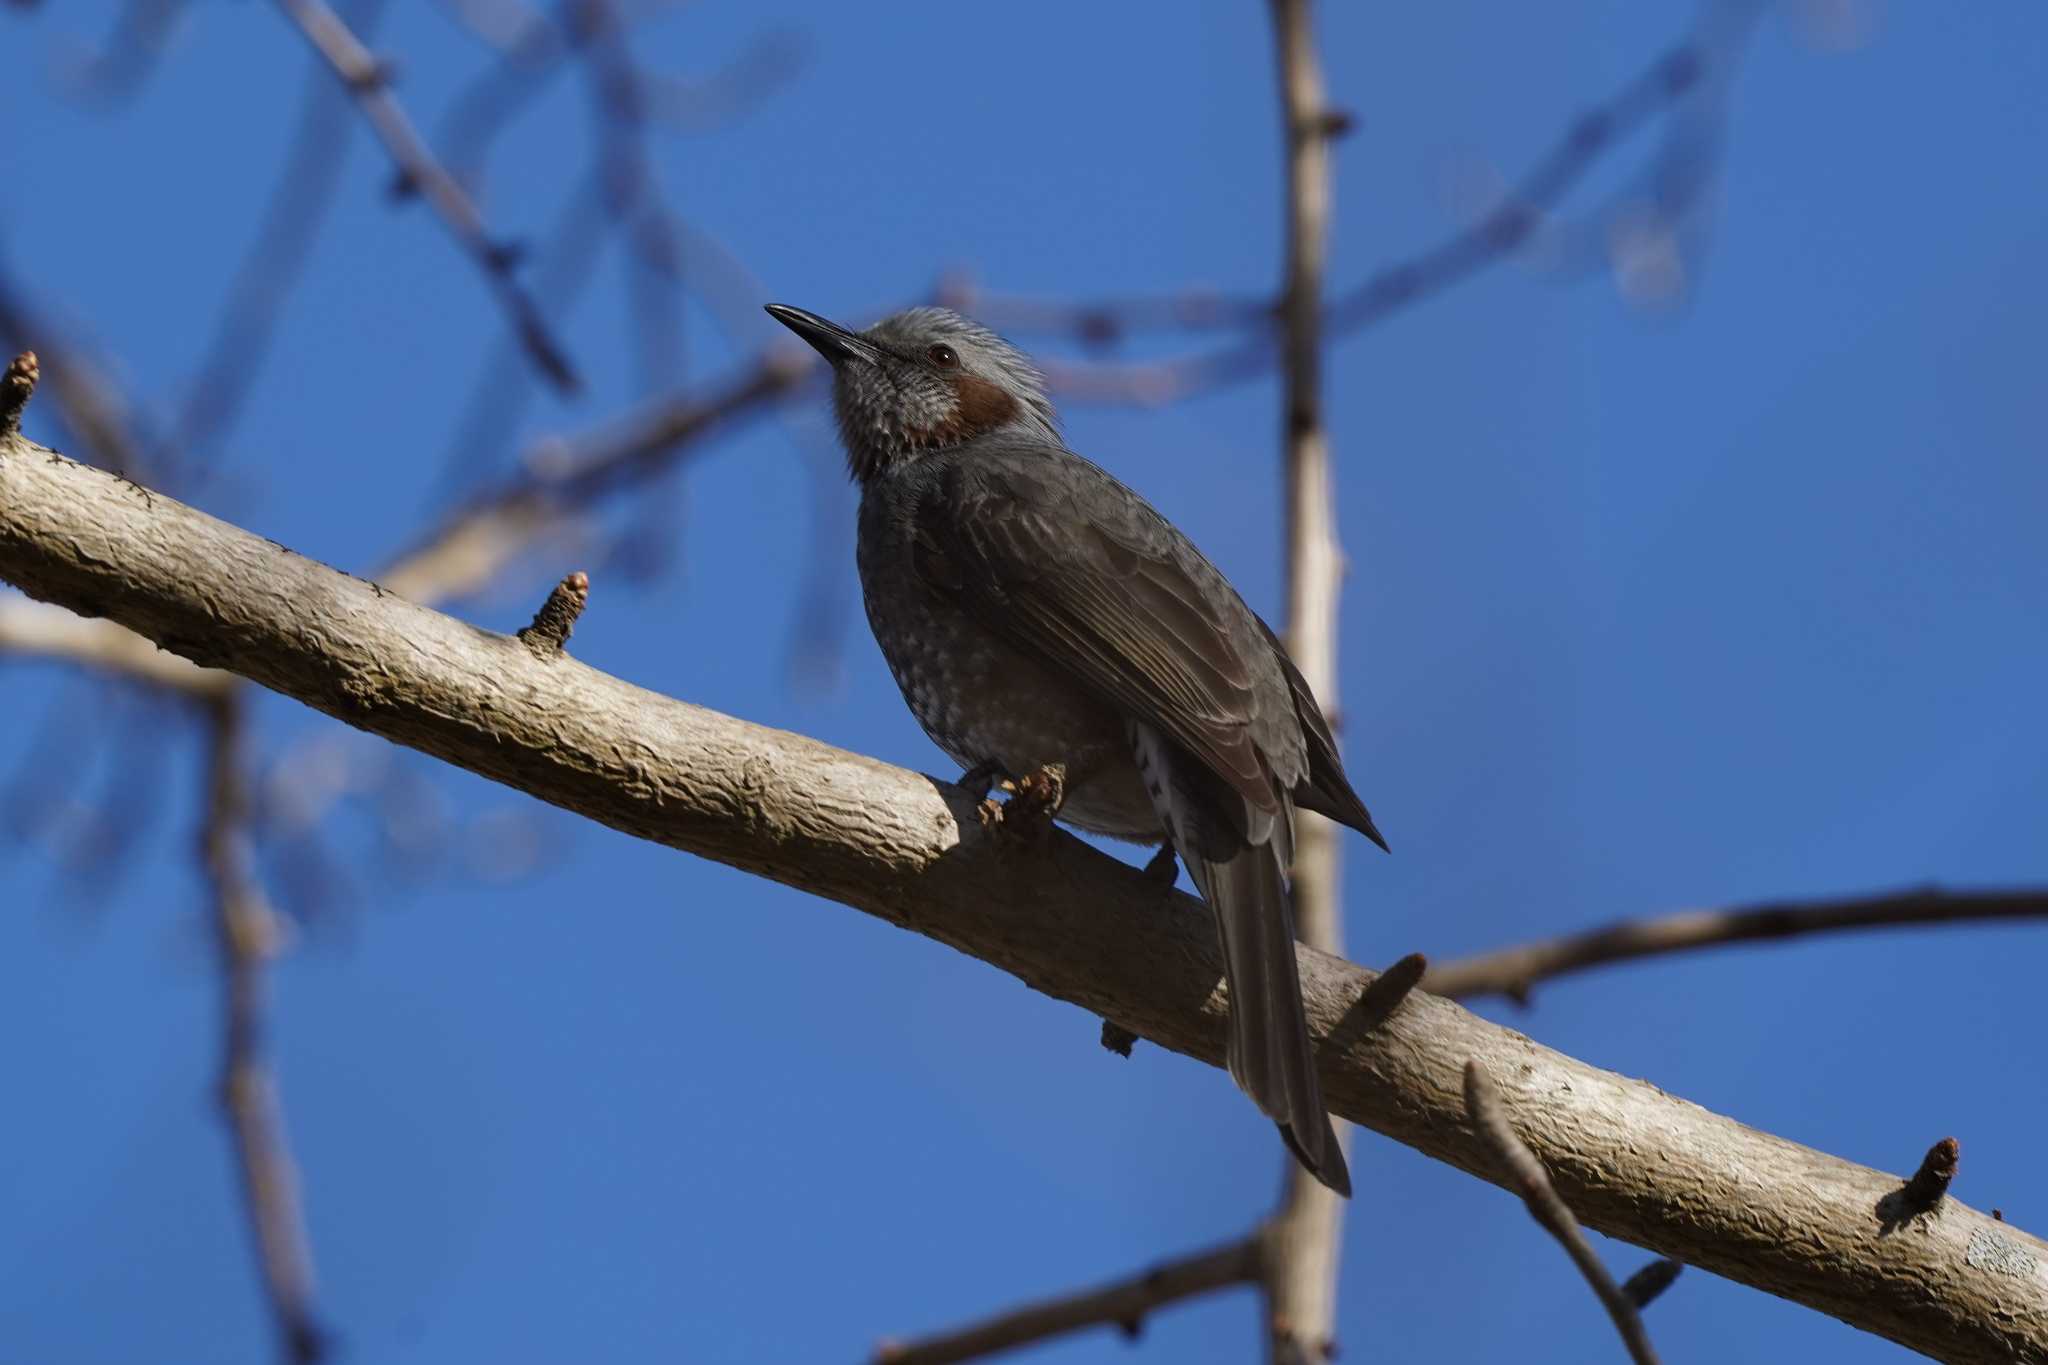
{"points": [[548, 636], [1643, 1287]]}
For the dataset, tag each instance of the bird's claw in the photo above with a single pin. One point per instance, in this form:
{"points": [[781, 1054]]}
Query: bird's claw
{"points": [[1035, 799], [1040, 794]]}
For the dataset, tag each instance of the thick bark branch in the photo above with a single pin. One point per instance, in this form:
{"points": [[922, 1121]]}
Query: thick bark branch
{"points": [[1072, 922]]}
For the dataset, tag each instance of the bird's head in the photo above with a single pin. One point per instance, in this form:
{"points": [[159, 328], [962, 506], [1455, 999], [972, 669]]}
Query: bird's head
{"points": [[923, 380]]}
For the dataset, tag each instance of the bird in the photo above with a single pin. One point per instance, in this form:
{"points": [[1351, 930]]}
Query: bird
{"points": [[1048, 627]]}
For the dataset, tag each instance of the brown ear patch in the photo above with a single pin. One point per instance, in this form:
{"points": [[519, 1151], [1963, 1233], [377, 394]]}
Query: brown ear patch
{"points": [[978, 407], [983, 407]]}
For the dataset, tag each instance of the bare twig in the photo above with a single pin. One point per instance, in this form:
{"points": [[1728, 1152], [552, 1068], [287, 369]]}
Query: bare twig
{"points": [[1123, 1304], [1067, 920], [557, 617], [369, 81], [1307, 1230], [246, 934], [1512, 972], [1527, 1178]]}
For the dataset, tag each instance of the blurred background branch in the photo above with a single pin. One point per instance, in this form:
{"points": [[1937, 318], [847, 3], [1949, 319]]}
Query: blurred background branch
{"points": [[248, 933], [1514, 972], [368, 81]]}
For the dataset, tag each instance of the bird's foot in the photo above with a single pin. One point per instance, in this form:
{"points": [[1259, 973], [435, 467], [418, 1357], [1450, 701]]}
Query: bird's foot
{"points": [[1164, 868], [1036, 798], [1040, 794]]}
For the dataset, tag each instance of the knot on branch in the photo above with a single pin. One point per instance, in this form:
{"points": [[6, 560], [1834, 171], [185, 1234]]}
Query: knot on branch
{"points": [[1377, 1003], [1924, 1189], [376, 74], [17, 385], [1117, 1038], [1937, 1168], [549, 632]]}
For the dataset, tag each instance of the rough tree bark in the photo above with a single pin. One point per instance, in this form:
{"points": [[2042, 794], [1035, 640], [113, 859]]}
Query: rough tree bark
{"points": [[1074, 923]]}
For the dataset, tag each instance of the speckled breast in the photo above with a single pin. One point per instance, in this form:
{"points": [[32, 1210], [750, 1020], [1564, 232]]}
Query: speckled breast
{"points": [[979, 698]]}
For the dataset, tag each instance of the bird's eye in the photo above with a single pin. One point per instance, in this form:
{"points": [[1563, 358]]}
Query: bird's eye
{"points": [[943, 356]]}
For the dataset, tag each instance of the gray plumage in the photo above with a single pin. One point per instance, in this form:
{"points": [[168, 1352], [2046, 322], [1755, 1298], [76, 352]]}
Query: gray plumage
{"points": [[1037, 612]]}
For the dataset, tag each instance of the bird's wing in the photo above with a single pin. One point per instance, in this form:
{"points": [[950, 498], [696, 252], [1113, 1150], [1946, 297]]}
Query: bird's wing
{"points": [[1325, 789], [1053, 554]]}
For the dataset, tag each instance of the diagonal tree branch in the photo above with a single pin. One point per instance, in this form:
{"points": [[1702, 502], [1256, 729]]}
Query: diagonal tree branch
{"points": [[369, 81], [1069, 920], [1512, 972]]}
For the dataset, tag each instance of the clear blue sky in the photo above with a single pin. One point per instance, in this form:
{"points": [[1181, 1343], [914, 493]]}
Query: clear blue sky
{"points": [[1650, 610]]}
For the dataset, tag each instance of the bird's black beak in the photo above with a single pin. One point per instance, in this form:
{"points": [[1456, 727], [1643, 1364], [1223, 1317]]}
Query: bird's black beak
{"points": [[829, 339]]}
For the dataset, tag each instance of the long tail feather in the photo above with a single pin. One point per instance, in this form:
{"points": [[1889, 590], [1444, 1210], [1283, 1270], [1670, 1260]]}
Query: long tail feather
{"points": [[1272, 1056], [1240, 871]]}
